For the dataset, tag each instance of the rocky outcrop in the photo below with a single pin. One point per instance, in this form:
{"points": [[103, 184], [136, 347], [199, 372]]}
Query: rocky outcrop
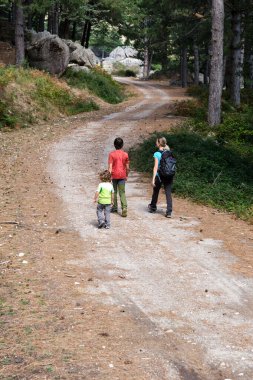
{"points": [[123, 52], [47, 52], [123, 58], [83, 57]]}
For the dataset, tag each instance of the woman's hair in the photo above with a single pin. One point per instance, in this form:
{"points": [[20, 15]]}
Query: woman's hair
{"points": [[162, 142], [118, 143], [105, 176]]}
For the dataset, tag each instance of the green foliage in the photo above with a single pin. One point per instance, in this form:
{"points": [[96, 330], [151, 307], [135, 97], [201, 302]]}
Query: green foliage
{"points": [[105, 36], [7, 119], [97, 82], [42, 92], [122, 70], [79, 107], [125, 73], [208, 172], [190, 108], [200, 92]]}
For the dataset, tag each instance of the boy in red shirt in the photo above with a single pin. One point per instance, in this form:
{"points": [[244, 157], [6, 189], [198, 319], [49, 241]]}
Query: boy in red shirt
{"points": [[118, 166]]}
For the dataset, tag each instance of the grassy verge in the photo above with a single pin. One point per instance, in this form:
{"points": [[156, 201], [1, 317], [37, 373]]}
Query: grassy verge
{"points": [[98, 82], [28, 96], [209, 173]]}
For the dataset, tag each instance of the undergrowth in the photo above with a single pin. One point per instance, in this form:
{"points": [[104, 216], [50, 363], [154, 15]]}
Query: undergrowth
{"points": [[215, 164], [98, 82], [29, 95], [208, 172]]}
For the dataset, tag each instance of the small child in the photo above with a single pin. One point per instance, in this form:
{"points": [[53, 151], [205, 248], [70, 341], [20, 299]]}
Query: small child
{"points": [[118, 166], [103, 198]]}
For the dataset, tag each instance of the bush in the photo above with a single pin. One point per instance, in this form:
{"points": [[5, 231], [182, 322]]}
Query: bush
{"points": [[28, 95], [97, 82], [200, 92], [7, 119], [190, 108], [208, 173]]}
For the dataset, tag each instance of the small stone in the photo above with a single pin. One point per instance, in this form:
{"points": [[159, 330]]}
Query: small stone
{"points": [[24, 262], [21, 254], [111, 365], [18, 359]]}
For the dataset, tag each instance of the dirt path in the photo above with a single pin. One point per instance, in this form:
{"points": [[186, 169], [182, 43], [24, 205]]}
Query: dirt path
{"points": [[151, 298]]}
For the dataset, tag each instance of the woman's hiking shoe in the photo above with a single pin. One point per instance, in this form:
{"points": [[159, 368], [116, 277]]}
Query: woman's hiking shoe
{"points": [[124, 212], [168, 215], [101, 225], [114, 209], [151, 208]]}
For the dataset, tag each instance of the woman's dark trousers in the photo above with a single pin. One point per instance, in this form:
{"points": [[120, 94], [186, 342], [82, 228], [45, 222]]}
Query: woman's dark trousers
{"points": [[167, 183]]}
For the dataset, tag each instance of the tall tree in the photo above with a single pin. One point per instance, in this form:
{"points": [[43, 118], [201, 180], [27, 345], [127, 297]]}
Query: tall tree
{"points": [[216, 73], [19, 33]]}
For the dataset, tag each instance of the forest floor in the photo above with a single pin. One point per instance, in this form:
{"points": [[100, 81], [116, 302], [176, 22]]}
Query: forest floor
{"points": [[151, 298]]}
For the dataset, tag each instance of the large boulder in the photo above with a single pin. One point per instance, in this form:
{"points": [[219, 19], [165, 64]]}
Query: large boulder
{"points": [[121, 59], [131, 62], [47, 52], [82, 56], [122, 52]]}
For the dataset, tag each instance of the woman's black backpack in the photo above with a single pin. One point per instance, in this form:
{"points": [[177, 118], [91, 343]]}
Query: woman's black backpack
{"points": [[167, 168]]}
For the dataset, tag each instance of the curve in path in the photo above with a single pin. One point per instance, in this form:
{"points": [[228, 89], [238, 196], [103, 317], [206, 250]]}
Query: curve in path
{"points": [[176, 286]]}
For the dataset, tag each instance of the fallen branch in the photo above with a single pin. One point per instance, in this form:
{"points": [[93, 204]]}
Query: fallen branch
{"points": [[216, 179], [9, 222]]}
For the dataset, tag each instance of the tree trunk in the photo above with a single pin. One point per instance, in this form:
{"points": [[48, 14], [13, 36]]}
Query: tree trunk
{"points": [[146, 63], [41, 23], [50, 20], [224, 70], [87, 42], [216, 77], [196, 64], [29, 21], [206, 71], [184, 67], [251, 71], [73, 34], [236, 58], [164, 58], [64, 29], [55, 21], [19, 34], [150, 60], [86, 34]]}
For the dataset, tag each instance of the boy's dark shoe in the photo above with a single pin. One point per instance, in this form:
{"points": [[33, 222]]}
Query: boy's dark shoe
{"points": [[168, 215], [114, 209], [124, 212], [101, 225], [151, 208]]}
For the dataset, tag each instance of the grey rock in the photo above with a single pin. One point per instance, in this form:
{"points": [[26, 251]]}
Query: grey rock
{"points": [[82, 56], [48, 52], [76, 67], [122, 52]]}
